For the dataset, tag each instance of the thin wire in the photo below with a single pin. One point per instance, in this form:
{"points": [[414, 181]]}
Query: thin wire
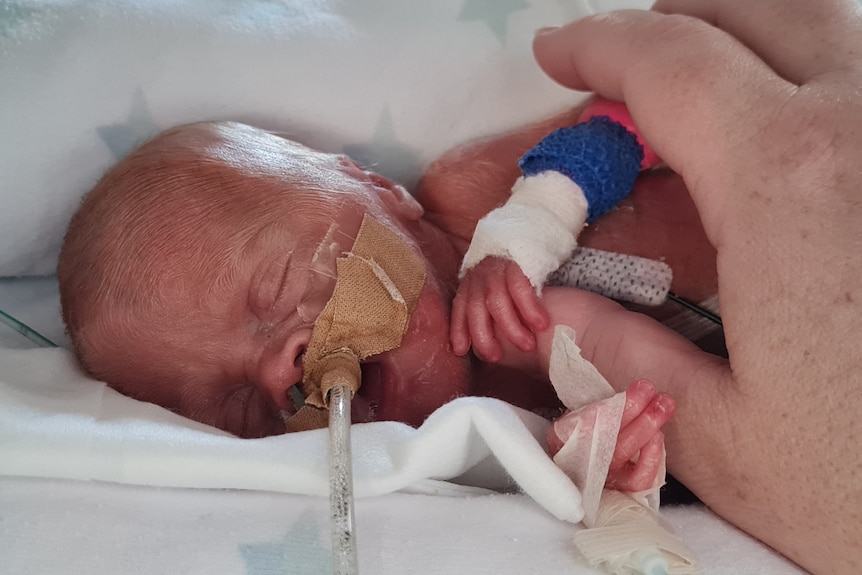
{"points": [[26, 330], [703, 312]]}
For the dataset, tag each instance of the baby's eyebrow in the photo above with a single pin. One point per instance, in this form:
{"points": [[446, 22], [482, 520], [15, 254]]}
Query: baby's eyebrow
{"points": [[224, 277]]}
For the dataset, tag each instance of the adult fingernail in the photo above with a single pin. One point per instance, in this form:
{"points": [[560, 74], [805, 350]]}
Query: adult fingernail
{"points": [[546, 30]]}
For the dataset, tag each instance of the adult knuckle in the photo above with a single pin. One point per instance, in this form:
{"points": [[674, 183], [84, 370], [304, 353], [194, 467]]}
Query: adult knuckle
{"points": [[686, 49]]}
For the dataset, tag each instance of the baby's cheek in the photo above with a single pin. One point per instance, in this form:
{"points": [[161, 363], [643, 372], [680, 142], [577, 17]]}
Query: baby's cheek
{"points": [[263, 419], [426, 346]]}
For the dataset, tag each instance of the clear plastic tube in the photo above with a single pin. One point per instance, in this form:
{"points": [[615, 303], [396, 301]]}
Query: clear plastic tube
{"points": [[26, 330], [341, 483]]}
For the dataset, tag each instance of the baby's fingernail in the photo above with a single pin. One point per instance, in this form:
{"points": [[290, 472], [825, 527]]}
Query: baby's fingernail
{"points": [[546, 30], [644, 385]]}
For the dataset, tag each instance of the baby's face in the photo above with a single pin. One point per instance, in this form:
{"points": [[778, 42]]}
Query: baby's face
{"points": [[243, 319]]}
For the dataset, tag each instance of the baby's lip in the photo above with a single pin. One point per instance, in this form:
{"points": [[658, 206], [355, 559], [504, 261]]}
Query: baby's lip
{"points": [[371, 394], [382, 397]]}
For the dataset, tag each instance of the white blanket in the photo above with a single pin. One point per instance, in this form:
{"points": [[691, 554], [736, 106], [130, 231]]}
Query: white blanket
{"points": [[251, 511], [54, 422]]}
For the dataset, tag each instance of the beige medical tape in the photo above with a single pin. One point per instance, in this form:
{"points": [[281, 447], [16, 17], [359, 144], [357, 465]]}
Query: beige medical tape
{"points": [[378, 286]]}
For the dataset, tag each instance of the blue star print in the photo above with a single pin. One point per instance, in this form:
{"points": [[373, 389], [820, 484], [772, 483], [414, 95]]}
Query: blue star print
{"points": [[385, 154], [494, 13], [139, 125], [299, 552]]}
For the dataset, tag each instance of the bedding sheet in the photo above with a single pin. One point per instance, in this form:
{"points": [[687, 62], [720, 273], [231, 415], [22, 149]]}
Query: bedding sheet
{"points": [[94, 482], [392, 83], [93, 528]]}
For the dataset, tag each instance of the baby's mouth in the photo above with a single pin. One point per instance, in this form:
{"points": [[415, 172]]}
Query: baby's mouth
{"points": [[369, 400]]}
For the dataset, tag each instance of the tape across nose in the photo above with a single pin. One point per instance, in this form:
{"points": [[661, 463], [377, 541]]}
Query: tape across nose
{"points": [[378, 287]]}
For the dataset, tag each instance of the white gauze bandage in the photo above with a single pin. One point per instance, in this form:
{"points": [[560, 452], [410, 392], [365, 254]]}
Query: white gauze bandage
{"points": [[537, 227]]}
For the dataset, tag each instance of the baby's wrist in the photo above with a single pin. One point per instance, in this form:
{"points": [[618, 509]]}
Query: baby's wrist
{"points": [[536, 228]]}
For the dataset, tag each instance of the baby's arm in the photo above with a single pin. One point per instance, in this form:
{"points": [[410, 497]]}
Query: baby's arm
{"points": [[574, 175], [467, 182]]}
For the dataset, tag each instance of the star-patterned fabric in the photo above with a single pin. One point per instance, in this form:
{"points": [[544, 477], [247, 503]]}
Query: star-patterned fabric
{"points": [[394, 83], [92, 528]]}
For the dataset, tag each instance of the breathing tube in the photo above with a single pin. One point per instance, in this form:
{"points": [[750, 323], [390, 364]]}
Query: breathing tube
{"points": [[377, 288]]}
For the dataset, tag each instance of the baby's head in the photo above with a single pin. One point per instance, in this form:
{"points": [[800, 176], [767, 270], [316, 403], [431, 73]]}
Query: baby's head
{"points": [[192, 275]]}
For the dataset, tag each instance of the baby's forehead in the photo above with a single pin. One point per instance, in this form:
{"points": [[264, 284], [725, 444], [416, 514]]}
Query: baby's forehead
{"points": [[218, 180]]}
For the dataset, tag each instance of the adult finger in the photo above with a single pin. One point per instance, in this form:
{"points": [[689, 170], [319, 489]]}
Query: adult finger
{"points": [[799, 39], [626, 346], [688, 86]]}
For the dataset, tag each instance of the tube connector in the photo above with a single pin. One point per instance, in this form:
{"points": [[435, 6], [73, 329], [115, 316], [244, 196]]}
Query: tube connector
{"points": [[339, 368]]}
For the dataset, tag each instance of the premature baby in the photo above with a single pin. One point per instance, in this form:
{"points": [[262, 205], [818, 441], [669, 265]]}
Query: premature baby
{"points": [[193, 273]]}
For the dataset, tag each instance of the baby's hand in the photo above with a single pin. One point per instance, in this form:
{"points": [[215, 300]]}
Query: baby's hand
{"points": [[495, 295], [638, 452]]}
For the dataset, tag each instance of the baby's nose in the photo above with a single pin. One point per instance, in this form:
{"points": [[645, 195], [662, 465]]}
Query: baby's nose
{"points": [[281, 368]]}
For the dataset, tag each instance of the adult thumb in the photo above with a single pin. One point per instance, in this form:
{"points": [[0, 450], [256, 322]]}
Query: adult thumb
{"points": [[625, 346]]}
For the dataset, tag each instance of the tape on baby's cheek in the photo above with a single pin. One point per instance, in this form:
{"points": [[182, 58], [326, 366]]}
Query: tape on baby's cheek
{"points": [[377, 289]]}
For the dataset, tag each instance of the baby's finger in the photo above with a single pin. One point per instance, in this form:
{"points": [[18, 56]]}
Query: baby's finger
{"points": [[481, 326], [508, 322], [640, 431], [522, 293], [506, 319], [638, 397], [803, 38], [459, 334], [640, 475]]}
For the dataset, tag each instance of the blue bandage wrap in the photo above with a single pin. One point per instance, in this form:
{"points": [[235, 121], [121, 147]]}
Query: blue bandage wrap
{"points": [[601, 156]]}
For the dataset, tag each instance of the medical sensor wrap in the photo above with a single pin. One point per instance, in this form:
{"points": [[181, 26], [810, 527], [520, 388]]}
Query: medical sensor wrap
{"points": [[600, 155], [573, 176], [536, 228], [618, 276]]}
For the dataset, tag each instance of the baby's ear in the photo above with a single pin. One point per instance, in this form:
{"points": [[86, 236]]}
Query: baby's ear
{"points": [[397, 198]]}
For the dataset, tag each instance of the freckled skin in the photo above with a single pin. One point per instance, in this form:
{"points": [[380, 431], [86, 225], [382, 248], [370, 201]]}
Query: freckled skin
{"points": [[742, 97]]}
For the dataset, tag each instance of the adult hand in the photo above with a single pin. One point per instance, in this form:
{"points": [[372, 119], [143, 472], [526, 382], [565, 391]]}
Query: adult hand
{"points": [[756, 105]]}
